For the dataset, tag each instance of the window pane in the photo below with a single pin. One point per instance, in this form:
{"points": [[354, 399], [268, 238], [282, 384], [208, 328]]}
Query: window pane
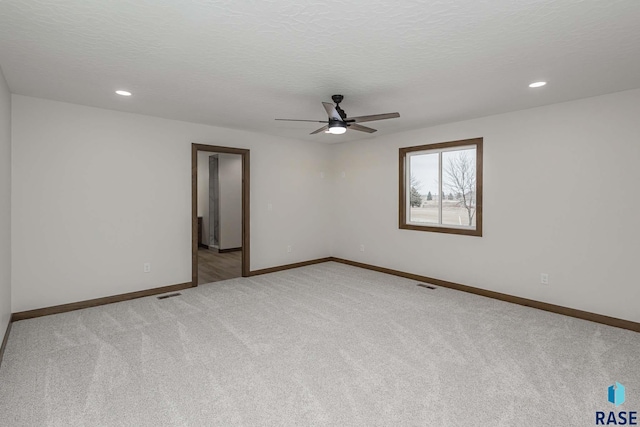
{"points": [[459, 187], [424, 200]]}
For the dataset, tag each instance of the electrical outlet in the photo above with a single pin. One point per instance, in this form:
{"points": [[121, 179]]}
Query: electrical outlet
{"points": [[544, 278], [361, 248], [321, 175], [269, 207], [289, 248], [147, 267], [344, 174]]}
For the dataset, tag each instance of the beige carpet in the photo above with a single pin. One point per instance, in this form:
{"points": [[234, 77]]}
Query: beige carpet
{"points": [[325, 345]]}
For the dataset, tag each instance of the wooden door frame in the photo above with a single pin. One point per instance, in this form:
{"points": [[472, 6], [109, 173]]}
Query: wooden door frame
{"points": [[244, 153]]}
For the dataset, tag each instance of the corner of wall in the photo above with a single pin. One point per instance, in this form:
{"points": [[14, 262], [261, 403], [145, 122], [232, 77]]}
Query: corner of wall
{"points": [[5, 204]]}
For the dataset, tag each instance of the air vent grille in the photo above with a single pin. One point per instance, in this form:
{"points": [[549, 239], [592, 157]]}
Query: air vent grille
{"points": [[169, 295]]}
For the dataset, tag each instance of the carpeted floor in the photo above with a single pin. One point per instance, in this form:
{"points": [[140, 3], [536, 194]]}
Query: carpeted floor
{"points": [[325, 345]]}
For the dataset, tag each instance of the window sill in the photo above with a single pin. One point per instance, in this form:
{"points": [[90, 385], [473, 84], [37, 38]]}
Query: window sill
{"points": [[447, 230]]}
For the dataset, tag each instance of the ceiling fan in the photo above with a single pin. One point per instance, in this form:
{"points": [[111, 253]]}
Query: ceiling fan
{"points": [[338, 122]]}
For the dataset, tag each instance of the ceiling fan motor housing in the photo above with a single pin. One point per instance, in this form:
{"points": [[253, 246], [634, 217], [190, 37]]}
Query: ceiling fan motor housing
{"points": [[337, 123]]}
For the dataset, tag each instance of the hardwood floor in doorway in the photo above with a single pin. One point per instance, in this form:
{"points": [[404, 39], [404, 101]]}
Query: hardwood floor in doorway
{"points": [[214, 266]]}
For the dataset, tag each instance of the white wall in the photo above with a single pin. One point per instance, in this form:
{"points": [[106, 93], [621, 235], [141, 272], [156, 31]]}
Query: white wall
{"points": [[230, 176], [96, 193], [5, 205], [560, 197], [203, 193]]}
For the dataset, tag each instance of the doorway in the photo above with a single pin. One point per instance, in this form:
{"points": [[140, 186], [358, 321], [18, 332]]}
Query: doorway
{"points": [[220, 234]]}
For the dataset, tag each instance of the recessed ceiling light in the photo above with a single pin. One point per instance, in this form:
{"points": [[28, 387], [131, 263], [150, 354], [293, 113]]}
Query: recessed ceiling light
{"points": [[537, 84], [123, 92]]}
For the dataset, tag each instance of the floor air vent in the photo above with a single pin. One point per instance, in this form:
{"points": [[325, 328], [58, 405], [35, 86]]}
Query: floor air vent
{"points": [[422, 285], [170, 295]]}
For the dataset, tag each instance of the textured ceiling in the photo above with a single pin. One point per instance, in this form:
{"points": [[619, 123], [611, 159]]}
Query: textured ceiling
{"points": [[241, 64]]}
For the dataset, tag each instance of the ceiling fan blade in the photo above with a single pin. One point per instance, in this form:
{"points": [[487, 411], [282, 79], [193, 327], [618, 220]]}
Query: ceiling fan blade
{"points": [[361, 128], [322, 129], [372, 117], [331, 111], [296, 120]]}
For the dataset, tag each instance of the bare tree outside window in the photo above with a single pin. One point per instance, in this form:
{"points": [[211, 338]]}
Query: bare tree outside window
{"points": [[459, 177]]}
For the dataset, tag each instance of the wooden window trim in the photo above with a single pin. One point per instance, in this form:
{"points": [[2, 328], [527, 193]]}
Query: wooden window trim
{"points": [[477, 142]]}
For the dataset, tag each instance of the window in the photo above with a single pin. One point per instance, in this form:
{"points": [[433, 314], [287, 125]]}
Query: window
{"points": [[441, 187]]}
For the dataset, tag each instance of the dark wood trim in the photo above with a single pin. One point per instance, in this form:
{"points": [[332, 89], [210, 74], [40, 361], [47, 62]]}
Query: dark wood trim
{"points": [[446, 230], [402, 199], [442, 145], [203, 246], [5, 340], [402, 195], [96, 302], [219, 149], [224, 251], [479, 185], [290, 266], [558, 309], [246, 213], [194, 215]]}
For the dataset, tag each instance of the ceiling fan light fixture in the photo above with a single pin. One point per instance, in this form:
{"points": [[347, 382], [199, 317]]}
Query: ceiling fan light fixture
{"points": [[338, 122], [337, 128]]}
